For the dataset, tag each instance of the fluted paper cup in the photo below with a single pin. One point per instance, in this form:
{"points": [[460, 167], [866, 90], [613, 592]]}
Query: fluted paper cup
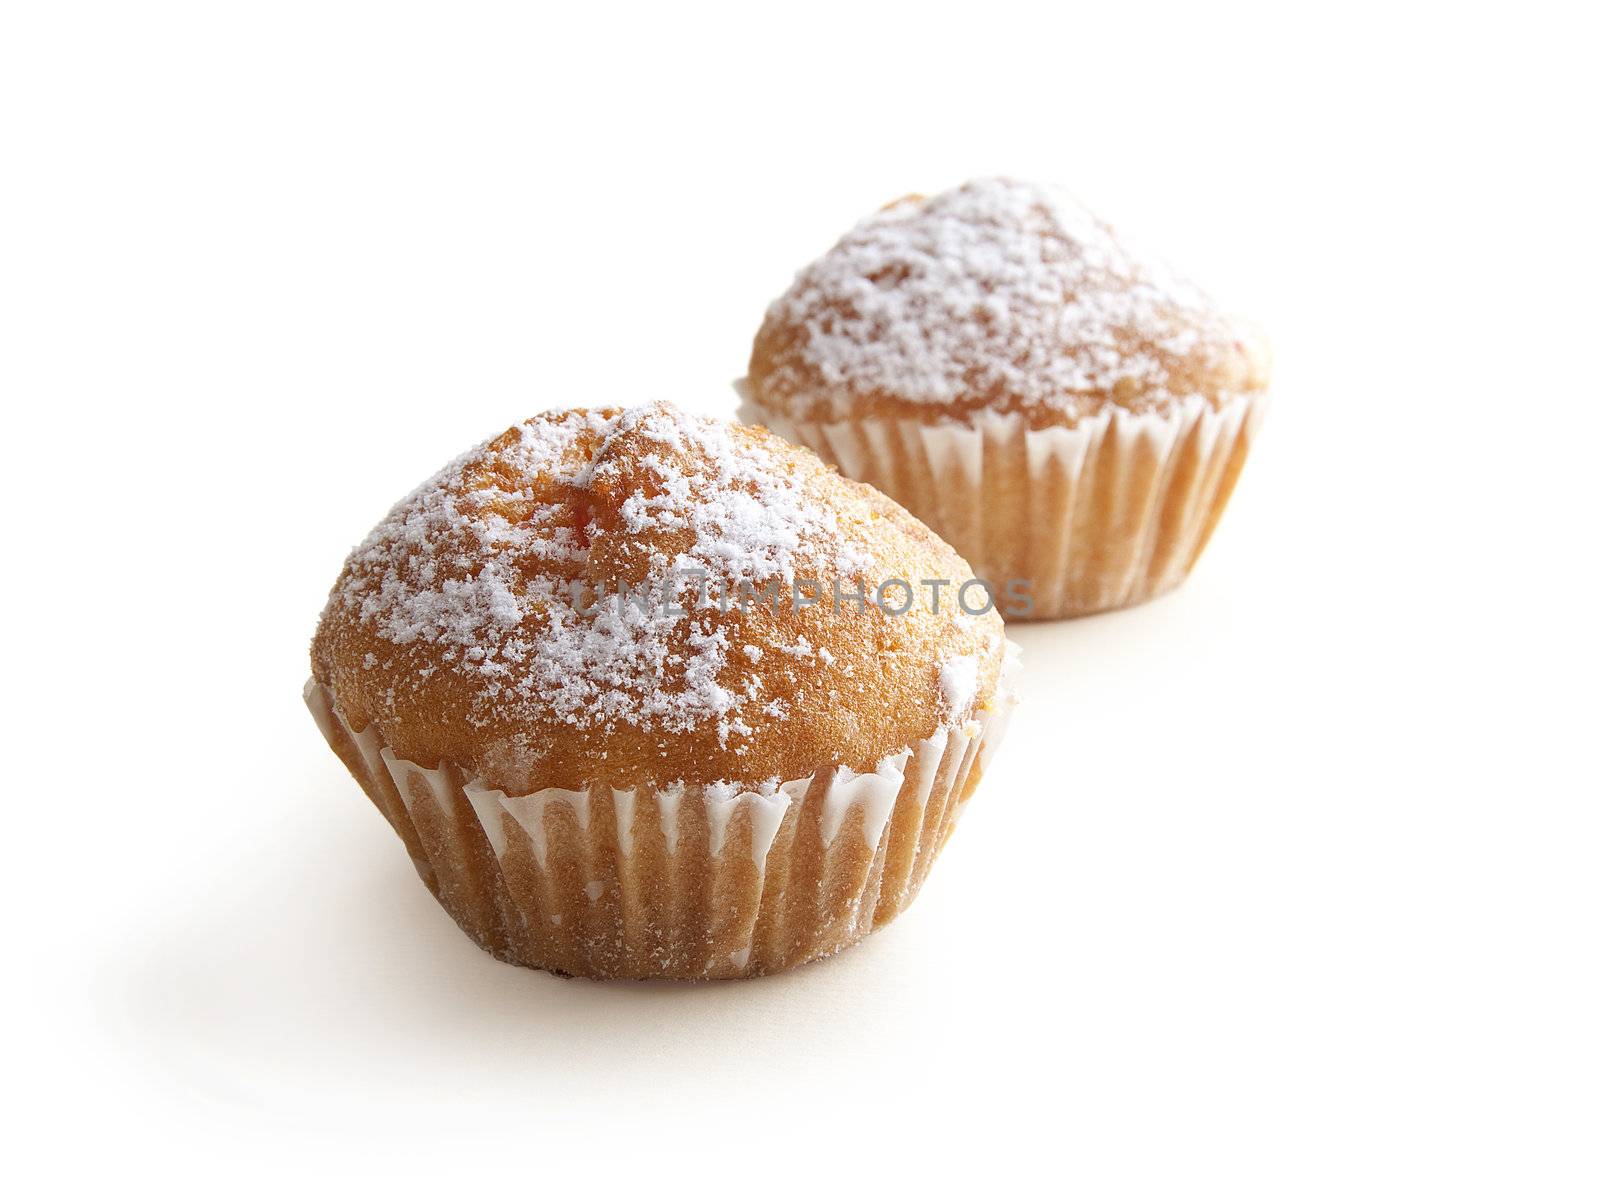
{"points": [[690, 882], [1106, 514]]}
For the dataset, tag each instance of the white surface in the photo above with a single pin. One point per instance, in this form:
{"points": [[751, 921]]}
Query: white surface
{"points": [[1288, 877]]}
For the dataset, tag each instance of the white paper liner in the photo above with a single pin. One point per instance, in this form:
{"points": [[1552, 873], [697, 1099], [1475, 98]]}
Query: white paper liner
{"points": [[686, 883], [1100, 516]]}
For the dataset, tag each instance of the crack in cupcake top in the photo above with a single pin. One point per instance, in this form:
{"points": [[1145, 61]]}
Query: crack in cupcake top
{"points": [[1000, 295], [486, 578]]}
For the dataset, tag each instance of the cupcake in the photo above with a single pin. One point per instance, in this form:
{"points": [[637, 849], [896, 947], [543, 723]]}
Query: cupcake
{"points": [[1069, 415], [651, 696]]}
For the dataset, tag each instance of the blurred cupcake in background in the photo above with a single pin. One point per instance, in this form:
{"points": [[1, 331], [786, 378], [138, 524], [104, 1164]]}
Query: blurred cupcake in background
{"points": [[1070, 416]]}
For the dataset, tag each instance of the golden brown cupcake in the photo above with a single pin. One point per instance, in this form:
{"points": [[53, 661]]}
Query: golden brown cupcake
{"points": [[647, 695], [1070, 416]]}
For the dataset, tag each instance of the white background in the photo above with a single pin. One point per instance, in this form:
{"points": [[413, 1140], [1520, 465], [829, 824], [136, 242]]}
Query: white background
{"points": [[1289, 877]]}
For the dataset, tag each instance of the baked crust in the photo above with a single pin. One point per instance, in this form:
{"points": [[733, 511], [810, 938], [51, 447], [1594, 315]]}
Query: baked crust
{"points": [[458, 627], [996, 297]]}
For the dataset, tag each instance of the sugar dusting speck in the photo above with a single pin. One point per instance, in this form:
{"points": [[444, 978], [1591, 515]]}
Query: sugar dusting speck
{"points": [[958, 685]]}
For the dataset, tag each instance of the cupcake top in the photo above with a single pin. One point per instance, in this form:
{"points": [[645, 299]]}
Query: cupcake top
{"points": [[631, 598], [999, 296]]}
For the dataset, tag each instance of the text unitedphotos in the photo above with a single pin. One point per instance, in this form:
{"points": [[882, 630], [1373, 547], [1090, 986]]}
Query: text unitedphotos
{"points": [[895, 596]]}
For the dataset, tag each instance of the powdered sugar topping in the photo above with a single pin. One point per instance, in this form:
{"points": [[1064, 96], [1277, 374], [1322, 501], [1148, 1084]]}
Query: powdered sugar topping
{"points": [[995, 291], [480, 564]]}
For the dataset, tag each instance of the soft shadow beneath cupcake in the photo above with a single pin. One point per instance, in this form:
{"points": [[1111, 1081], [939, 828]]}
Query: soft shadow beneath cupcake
{"points": [[263, 996]]}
